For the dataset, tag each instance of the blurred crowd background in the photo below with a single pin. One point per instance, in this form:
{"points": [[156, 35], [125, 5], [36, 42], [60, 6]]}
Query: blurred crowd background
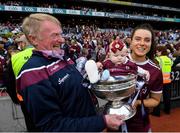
{"points": [[89, 26], [89, 35]]}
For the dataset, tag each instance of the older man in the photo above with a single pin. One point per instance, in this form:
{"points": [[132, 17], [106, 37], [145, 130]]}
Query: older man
{"points": [[51, 87]]}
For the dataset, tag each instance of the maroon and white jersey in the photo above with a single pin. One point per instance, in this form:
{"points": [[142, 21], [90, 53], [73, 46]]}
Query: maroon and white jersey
{"points": [[155, 84], [120, 69], [140, 123]]}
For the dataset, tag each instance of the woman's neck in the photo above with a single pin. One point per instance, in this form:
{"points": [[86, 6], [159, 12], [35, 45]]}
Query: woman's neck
{"points": [[138, 58]]}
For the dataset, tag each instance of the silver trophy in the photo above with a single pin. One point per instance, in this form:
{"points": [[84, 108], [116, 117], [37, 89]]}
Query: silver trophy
{"points": [[114, 92]]}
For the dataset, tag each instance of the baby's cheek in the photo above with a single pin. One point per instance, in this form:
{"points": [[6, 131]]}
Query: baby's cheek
{"points": [[123, 59]]}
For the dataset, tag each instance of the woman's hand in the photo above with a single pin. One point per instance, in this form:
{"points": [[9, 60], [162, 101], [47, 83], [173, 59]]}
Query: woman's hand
{"points": [[136, 104]]}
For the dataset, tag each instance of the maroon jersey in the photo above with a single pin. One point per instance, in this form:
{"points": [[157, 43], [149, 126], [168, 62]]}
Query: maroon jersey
{"points": [[140, 123], [120, 69]]}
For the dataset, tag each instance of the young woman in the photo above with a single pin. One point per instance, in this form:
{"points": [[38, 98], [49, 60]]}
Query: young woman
{"points": [[142, 46]]}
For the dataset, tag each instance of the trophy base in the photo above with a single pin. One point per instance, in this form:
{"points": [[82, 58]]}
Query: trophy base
{"points": [[120, 109]]}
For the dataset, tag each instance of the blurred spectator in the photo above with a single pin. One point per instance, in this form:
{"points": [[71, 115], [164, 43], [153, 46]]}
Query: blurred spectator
{"points": [[2, 65], [80, 62], [21, 42], [65, 46], [176, 62], [6, 42], [74, 50], [165, 64], [177, 52], [100, 52], [89, 48]]}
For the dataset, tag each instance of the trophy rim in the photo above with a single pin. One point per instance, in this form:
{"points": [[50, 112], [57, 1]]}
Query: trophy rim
{"points": [[112, 90], [130, 77], [117, 90]]}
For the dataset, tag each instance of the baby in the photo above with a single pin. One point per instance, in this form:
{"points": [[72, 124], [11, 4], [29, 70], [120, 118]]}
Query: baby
{"points": [[119, 64]]}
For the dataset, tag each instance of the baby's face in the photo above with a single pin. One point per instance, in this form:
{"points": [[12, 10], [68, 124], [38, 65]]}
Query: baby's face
{"points": [[119, 57]]}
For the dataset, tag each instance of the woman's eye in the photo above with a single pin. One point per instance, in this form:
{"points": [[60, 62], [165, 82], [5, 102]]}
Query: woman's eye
{"points": [[137, 39], [147, 40]]}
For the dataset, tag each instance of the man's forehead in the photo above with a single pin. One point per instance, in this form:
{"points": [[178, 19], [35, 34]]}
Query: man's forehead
{"points": [[50, 26]]}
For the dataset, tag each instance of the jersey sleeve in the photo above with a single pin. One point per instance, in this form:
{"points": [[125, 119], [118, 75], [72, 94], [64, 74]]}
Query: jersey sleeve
{"points": [[156, 81]]}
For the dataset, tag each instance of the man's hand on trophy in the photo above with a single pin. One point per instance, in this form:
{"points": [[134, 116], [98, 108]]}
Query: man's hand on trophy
{"points": [[113, 121]]}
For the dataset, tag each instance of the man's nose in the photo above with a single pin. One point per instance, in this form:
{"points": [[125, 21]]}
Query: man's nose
{"points": [[61, 39]]}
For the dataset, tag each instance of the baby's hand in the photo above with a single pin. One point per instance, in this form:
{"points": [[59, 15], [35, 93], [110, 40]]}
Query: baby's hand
{"points": [[144, 73], [99, 66], [147, 75]]}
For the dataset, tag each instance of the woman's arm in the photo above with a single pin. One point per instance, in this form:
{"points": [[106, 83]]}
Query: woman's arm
{"points": [[150, 102]]}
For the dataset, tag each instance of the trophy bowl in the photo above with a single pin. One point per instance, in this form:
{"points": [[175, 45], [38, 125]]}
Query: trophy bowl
{"points": [[115, 91]]}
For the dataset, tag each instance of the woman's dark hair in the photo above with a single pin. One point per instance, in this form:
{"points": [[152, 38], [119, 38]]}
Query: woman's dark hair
{"points": [[148, 27]]}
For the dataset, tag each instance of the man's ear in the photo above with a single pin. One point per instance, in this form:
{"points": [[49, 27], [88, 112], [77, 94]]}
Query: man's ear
{"points": [[33, 40]]}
